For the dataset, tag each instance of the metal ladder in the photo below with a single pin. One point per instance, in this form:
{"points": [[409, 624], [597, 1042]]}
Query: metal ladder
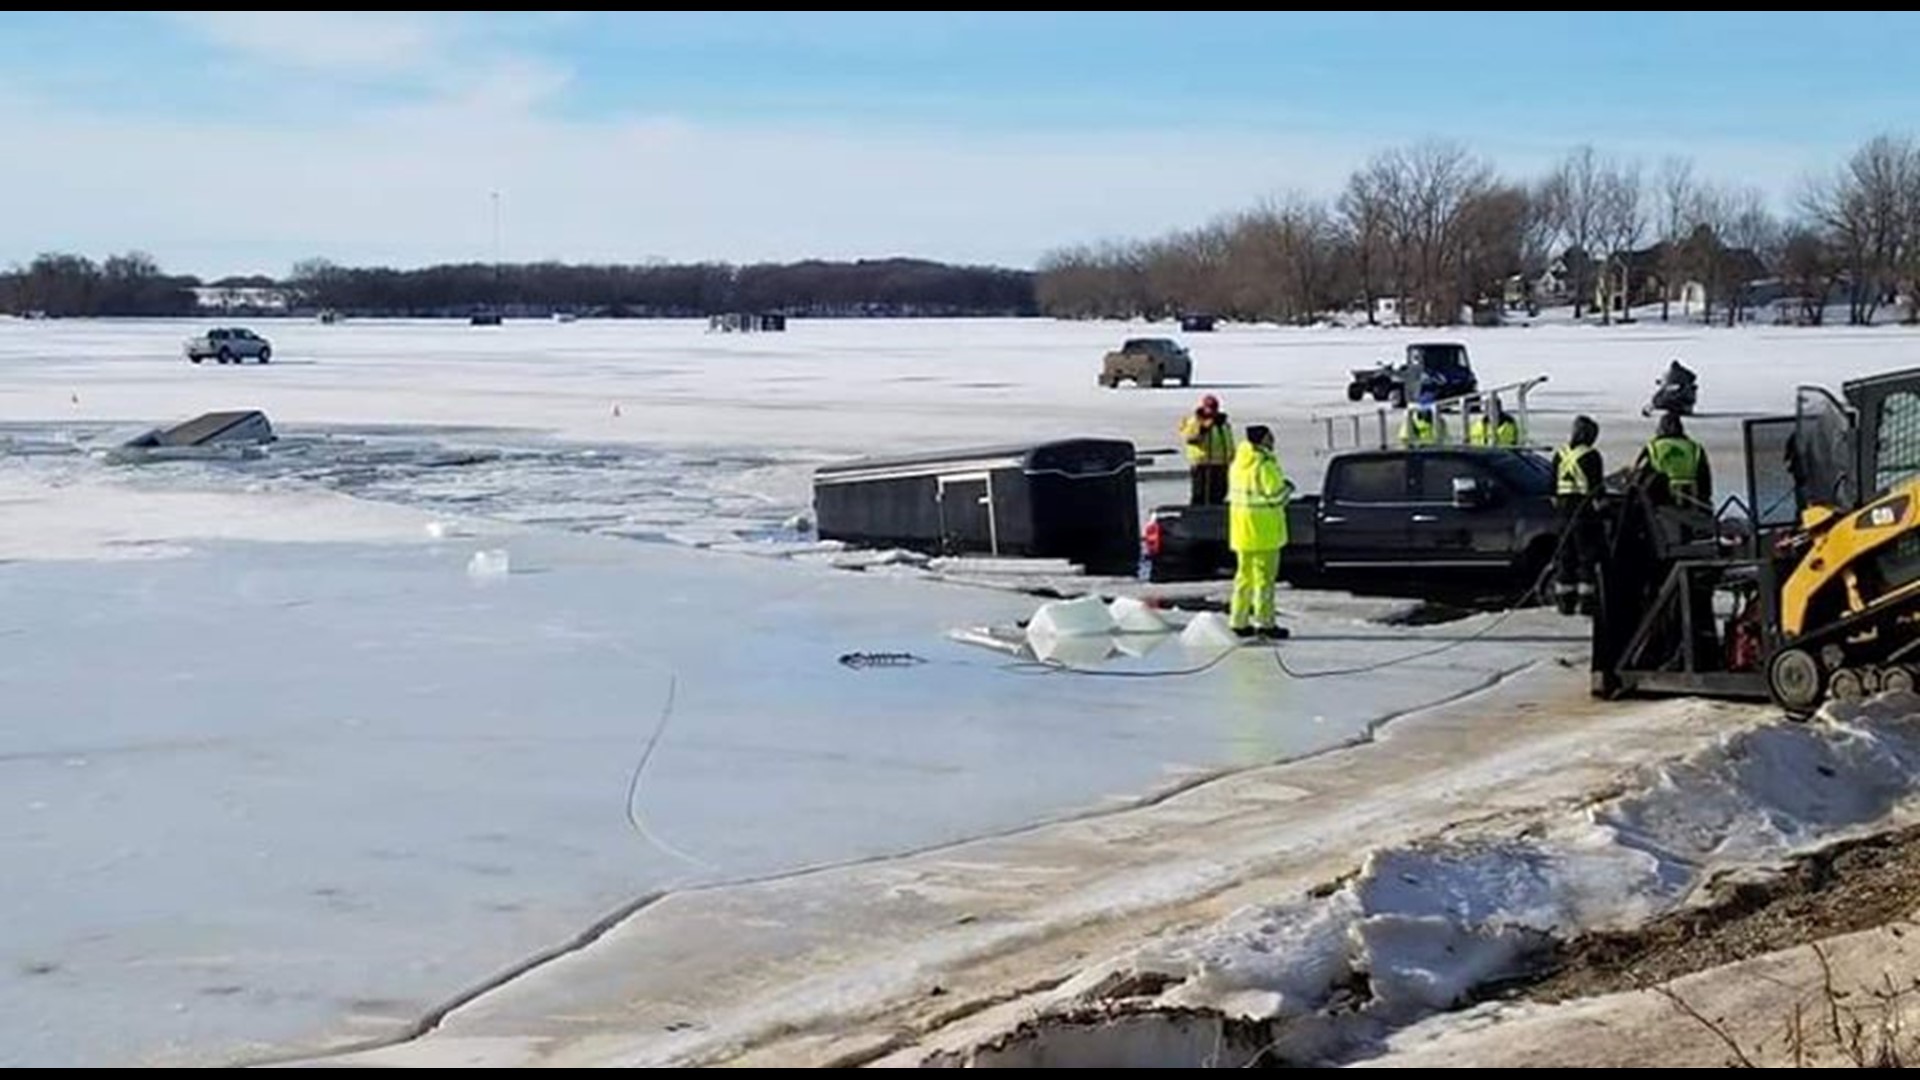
{"points": [[1376, 428]]}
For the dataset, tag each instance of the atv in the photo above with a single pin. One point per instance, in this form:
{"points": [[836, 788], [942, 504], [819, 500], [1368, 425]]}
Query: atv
{"points": [[1433, 370]]}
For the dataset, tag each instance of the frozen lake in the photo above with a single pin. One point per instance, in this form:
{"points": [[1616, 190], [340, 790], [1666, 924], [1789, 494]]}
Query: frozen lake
{"points": [[279, 769]]}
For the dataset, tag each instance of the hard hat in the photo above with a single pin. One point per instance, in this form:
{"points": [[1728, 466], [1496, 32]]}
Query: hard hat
{"points": [[1209, 402]]}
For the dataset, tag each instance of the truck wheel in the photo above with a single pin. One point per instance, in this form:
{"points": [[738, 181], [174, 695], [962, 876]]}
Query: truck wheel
{"points": [[265, 354], [1355, 391], [225, 357], [196, 359], [1186, 380], [1157, 377]]}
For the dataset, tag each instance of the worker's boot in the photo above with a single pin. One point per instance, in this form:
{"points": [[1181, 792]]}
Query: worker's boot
{"points": [[1244, 633], [1565, 599], [1275, 633], [1589, 601]]}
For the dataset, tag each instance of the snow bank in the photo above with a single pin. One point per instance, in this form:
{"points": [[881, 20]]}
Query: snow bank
{"points": [[1417, 928]]}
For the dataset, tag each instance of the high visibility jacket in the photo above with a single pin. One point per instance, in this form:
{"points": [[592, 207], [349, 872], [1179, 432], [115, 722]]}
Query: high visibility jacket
{"points": [[1678, 459], [1214, 446], [1257, 493], [1569, 472], [1418, 430], [1504, 433]]}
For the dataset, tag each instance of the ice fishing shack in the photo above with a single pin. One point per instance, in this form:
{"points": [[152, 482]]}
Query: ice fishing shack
{"points": [[1072, 499]]}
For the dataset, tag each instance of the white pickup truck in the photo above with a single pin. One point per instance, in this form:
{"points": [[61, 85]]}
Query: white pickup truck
{"points": [[229, 345]]}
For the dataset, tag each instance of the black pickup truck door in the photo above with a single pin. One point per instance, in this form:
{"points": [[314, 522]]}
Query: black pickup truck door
{"points": [[1444, 534], [1364, 512]]}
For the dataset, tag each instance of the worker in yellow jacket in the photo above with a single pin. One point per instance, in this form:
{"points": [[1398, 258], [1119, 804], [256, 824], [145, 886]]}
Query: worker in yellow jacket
{"points": [[1257, 494], [1495, 427], [1208, 436]]}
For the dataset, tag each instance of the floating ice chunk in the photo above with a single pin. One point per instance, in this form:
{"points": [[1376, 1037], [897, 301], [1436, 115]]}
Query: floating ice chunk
{"points": [[437, 530], [1208, 630], [797, 523], [1083, 616], [488, 564], [1084, 650], [1139, 645], [1133, 616]]}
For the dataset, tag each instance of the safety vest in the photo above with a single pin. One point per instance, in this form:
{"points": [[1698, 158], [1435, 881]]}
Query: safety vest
{"points": [[1678, 459], [1417, 430], [1569, 478], [1216, 446], [1505, 433], [1256, 501]]}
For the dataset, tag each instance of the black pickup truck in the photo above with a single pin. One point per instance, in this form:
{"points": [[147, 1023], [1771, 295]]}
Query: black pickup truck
{"points": [[1451, 523]]}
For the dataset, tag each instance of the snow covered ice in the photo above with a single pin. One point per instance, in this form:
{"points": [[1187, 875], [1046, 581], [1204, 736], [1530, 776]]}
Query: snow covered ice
{"points": [[283, 775]]}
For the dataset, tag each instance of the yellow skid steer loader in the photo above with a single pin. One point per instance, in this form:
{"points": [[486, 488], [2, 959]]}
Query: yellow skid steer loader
{"points": [[1809, 590]]}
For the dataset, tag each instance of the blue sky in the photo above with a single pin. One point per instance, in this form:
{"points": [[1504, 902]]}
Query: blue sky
{"points": [[240, 142]]}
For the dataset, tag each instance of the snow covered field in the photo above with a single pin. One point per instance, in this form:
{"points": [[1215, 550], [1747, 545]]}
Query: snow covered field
{"points": [[282, 769]]}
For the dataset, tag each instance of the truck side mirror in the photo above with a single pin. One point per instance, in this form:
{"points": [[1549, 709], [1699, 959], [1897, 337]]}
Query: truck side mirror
{"points": [[1468, 493]]}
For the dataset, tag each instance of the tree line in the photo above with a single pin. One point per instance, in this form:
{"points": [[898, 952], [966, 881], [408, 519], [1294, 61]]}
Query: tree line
{"points": [[1436, 234], [133, 284]]}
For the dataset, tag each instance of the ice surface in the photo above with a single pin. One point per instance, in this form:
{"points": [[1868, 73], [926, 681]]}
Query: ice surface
{"points": [[330, 772], [491, 563]]}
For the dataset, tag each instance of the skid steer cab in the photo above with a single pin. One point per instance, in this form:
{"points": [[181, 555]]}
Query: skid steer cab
{"points": [[1809, 591]]}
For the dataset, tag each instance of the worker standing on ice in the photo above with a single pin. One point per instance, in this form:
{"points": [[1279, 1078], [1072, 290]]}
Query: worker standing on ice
{"points": [[1578, 476], [1674, 455], [1209, 439], [1257, 494]]}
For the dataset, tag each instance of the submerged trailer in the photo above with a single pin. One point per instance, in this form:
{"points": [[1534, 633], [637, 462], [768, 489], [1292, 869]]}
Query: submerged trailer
{"points": [[1073, 499]]}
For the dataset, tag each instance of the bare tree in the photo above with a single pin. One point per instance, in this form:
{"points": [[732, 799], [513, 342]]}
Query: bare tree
{"points": [[1618, 226], [1576, 194], [1536, 243], [1809, 266], [1426, 191], [1733, 246], [1678, 213], [1866, 207], [1364, 217], [1491, 243]]}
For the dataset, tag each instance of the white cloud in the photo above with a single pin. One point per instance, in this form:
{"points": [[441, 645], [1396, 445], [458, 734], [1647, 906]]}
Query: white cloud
{"points": [[345, 42]]}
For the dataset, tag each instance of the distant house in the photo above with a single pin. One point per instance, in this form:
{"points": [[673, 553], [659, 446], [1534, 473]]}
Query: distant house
{"points": [[1554, 285], [1643, 277], [242, 299]]}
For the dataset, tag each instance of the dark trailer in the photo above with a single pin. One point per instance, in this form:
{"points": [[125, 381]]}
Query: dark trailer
{"points": [[1072, 499]]}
